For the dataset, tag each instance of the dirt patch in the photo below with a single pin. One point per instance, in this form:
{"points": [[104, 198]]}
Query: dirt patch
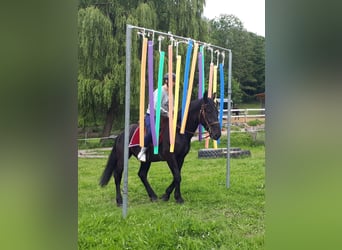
{"points": [[93, 153]]}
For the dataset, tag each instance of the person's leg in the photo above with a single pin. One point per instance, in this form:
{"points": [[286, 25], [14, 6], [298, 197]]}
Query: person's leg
{"points": [[147, 138]]}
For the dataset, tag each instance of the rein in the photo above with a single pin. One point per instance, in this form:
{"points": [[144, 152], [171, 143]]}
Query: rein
{"points": [[193, 133]]}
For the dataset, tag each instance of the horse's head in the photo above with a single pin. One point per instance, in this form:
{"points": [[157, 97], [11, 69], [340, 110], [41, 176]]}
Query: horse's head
{"points": [[209, 117]]}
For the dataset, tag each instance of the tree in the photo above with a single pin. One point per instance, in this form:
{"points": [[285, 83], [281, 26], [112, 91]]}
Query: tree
{"points": [[248, 53], [95, 84], [259, 61], [182, 17], [102, 62]]}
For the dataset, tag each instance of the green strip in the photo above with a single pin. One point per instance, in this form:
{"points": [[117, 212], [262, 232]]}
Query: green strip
{"points": [[160, 84]]}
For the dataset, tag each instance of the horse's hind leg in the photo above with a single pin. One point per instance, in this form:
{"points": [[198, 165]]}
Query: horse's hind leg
{"points": [[144, 168], [117, 177]]}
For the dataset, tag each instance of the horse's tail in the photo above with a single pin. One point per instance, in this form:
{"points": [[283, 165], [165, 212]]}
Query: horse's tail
{"points": [[108, 171]]}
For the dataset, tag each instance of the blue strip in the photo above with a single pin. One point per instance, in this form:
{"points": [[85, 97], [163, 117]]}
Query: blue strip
{"points": [[186, 75]]}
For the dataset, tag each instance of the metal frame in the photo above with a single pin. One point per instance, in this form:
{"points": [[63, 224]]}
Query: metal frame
{"points": [[142, 30]]}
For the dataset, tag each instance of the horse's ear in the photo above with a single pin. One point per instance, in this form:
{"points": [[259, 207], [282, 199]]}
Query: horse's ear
{"points": [[205, 96]]}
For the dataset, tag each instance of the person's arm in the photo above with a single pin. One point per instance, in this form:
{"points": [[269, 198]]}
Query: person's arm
{"points": [[164, 108], [155, 99]]}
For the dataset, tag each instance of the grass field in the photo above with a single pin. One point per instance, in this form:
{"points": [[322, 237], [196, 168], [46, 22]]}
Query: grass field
{"points": [[212, 217]]}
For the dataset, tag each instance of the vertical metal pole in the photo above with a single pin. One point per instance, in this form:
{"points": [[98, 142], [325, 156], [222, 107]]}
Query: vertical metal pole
{"points": [[127, 113], [228, 117]]}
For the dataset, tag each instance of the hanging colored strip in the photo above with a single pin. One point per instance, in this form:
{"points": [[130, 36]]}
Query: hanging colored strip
{"points": [[221, 96], [150, 91], [210, 87], [200, 87], [142, 93], [160, 81], [203, 72], [178, 64], [191, 81], [171, 128], [186, 75], [215, 91], [203, 83]]}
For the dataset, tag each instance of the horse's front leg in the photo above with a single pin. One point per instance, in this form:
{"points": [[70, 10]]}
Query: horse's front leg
{"points": [[176, 172], [143, 171], [177, 180], [168, 191], [174, 164]]}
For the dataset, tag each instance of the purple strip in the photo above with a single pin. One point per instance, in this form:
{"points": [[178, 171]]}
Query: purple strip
{"points": [[150, 91], [221, 96], [200, 89]]}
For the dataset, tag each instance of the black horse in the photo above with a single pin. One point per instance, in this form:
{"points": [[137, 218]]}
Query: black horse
{"points": [[202, 111]]}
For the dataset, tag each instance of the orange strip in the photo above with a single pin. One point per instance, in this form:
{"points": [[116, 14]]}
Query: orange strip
{"points": [[170, 98], [142, 93], [178, 64]]}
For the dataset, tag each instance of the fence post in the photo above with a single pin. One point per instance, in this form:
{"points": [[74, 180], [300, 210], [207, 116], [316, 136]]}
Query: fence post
{"points": [[246, 112]]}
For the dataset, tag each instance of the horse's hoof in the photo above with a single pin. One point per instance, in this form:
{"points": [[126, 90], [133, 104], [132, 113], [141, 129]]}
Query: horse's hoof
{"points": [[165, 197], [119, 202], [180, 201], [154, 199]]}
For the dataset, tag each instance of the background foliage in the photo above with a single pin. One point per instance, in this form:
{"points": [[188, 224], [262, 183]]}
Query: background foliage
{"points": [[102, 27]]}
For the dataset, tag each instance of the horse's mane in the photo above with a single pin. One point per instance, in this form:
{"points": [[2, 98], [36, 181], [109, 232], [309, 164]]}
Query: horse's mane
{"points": [[193, 105]]}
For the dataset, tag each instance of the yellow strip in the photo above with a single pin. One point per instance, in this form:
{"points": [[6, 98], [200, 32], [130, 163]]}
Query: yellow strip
{"points": [[215, 80], [178, 64], [215, 91], [210, 87], [191, 81], [142, 93]]}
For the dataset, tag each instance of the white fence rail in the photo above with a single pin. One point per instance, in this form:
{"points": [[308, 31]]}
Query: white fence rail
{"points": [[242, 113], [245, 113]]}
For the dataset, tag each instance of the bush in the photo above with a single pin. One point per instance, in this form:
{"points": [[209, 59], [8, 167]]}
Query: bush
{"points": [[255, 122], [106, 143], [89, 144], [245, 140]]}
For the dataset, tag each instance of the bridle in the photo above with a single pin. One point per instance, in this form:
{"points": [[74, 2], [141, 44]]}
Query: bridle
{"points": [[203, 115]]}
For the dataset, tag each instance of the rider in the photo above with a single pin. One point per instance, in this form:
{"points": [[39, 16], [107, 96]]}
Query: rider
{"points": [[164, 111]]}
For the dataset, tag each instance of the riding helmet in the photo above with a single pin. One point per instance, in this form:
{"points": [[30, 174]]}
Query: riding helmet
{"points": [[166, 76]]}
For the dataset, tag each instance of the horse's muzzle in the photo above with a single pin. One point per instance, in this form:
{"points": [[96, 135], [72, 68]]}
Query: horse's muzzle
{"points": [[216, 134]]}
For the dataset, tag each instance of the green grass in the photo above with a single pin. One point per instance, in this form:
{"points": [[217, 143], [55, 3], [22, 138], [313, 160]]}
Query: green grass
{"points": [[212, 217]]}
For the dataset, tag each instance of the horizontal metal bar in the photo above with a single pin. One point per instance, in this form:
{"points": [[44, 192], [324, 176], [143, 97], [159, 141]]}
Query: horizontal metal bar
{"points": [[169, 34]]}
